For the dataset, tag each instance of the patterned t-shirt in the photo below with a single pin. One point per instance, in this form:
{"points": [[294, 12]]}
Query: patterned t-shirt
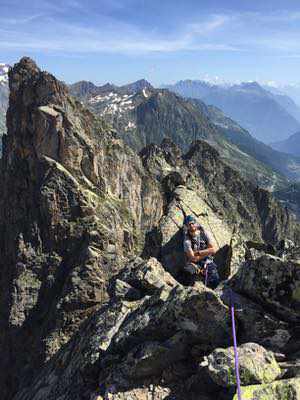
{"points": [[200, 241]]}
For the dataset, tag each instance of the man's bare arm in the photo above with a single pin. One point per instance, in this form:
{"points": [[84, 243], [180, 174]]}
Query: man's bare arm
{"points": [[200, 254], [191, 255], [196, 256]]}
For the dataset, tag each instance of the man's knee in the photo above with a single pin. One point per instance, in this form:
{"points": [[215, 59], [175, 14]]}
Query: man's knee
{"points": [[213, 278], [191, 268]]}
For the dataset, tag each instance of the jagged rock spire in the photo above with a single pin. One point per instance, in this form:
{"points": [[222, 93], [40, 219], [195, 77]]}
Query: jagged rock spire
{"points": [[44, 120]]}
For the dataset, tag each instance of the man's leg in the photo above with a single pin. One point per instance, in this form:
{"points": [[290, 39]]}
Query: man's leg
{"points": [[213, 275], [191, 272]]}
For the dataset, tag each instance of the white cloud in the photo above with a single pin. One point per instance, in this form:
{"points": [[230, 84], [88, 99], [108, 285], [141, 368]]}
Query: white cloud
{"points": [[49, 31], [114, 36], [212, 24]]}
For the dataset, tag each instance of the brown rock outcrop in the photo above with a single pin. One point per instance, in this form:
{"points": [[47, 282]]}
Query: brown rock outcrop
{"points": [[75, 201]]}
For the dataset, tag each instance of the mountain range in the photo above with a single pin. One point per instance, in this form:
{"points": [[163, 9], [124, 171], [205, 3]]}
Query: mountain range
{"points": [[151, 114], [283, 163], [290, 90], [267, 116], [143, 115], [291, 145], [85, 89]]}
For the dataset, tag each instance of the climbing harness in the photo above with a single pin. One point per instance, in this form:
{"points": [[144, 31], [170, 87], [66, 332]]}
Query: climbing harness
{"points": [[236, 357]]}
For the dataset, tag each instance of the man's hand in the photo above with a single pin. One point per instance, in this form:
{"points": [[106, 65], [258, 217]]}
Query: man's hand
{"points": [[200, 254]]}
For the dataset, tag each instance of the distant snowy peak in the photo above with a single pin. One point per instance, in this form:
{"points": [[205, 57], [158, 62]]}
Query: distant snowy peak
{"points": [[217, 81], [4, 73], [4, 68]]}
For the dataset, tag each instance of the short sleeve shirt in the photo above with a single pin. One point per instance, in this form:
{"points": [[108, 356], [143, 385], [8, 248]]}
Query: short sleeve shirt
{"points": [[200, 241]]}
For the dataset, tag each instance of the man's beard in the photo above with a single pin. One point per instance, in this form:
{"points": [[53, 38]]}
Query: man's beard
{"points": [[192, 232]]}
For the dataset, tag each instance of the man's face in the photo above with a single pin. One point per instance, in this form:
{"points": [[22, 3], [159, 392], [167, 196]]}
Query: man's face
{"points": [[192, 227]]}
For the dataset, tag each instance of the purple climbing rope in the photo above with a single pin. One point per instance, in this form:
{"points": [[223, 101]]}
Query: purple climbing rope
{"points": [[236, 357]]}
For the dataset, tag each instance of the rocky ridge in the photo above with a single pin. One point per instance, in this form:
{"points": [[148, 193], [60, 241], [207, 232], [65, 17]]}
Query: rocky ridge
{"points": [[85, 90], [93, 301], [148, 115]]}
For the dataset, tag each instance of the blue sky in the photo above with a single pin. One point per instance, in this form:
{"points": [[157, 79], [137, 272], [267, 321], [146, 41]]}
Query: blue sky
{"points": [[120, 41]]}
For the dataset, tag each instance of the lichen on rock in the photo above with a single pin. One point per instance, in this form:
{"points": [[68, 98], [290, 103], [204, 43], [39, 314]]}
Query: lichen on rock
{"points": [[256, 365], [280, 390]]}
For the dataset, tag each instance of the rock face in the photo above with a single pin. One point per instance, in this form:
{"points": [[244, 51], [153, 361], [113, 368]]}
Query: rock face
{"points": [[256, 324], [75, 201], [125, 344], [153, 345], [273, 282], [281, 390], [256, 365], [91, 256], [290, 196]]}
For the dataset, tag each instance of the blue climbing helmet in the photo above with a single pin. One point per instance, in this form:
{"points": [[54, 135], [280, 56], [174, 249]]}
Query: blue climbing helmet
{"points": [[188, 219]]}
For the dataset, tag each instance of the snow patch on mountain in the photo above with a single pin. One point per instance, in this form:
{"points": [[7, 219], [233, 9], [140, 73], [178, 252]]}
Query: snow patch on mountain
{"points": [[130, 125], [113, 102], [4, 73]]}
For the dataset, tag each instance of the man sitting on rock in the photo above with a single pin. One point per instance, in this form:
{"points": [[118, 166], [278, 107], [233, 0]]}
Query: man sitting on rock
{"points": [[199, 249]]}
